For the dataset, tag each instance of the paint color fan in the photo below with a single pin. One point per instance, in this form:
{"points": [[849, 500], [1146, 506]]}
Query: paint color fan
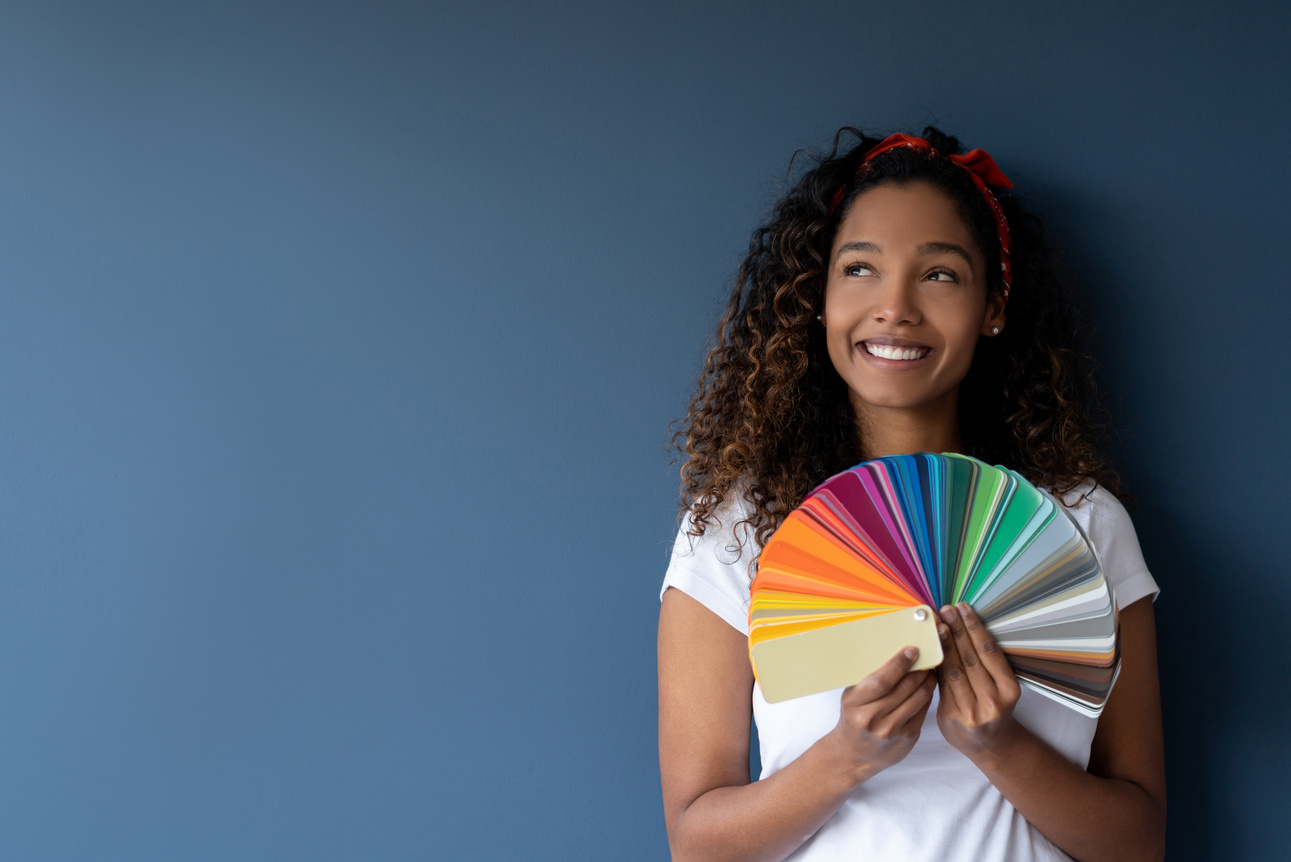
{"points": [[856, 572]]}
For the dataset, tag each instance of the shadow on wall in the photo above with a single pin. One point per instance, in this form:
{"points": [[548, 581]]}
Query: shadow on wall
{"points": [[1219, 646], [1221, 641], [1222, 647]]}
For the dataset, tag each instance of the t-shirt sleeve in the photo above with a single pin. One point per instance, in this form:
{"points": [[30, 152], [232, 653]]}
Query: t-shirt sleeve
{"points": [[1112, 533], [712, 569]]}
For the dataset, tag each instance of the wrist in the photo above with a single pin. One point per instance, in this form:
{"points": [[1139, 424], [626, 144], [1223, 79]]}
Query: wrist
{"points": [[840, 764], [1004, 743]]}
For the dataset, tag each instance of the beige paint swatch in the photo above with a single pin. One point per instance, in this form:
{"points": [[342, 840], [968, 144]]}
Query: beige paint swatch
{"points": [[844, 654]]}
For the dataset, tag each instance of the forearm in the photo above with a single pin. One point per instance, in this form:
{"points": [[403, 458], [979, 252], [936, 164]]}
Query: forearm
{"points": [[1086, 816], [766, 820]]}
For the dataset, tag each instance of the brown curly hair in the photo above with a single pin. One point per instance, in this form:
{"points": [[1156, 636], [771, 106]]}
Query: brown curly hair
{"points": [[771, 417]]}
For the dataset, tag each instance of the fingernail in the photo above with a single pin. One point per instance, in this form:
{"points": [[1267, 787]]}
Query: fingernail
{"points": [[948, 613], [963, 607], [943, 632], [910, 653]]}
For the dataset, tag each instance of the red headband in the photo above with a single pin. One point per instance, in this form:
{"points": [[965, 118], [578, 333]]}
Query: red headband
{"points": [[980, 166]]}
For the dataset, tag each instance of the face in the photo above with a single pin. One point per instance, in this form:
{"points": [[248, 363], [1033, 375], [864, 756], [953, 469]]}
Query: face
{"points": [[905, 298]]}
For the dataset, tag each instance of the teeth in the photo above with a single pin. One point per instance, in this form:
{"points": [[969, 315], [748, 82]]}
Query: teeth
{"points": [[895, 352]]}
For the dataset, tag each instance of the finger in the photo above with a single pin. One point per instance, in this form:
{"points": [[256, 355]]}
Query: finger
{"points": [[900, 693], [979, 677], [993, 658], [918, 718], [881, 681], [956, 689], [916, 704], [943, 686]]}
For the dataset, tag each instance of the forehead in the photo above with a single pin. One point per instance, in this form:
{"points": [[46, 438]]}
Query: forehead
{"points": [[904, 216]]}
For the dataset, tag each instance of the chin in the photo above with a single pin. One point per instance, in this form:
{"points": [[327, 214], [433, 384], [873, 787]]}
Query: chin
{"points": [[893, 396]]}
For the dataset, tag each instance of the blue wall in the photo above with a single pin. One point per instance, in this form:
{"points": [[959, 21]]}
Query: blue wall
{"points": [[338, 344]]}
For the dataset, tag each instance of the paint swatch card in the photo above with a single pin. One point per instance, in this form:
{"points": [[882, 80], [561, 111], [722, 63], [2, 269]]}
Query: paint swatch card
{"points": [[855, 572]]}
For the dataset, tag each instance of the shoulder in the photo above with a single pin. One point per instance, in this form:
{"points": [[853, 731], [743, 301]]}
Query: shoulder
{"points": [[727, 532], [716, 568], [1096, 509], [1108, 526]]}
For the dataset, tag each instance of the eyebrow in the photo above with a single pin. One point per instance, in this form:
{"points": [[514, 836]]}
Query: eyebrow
{"points": [[923, 249]]}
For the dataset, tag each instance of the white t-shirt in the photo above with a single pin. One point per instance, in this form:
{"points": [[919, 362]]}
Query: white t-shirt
{"points": [[935, 804]]}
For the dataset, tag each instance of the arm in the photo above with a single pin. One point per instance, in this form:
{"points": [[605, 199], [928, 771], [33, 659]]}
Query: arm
{"points": [[1116, 809], [711, 809]]}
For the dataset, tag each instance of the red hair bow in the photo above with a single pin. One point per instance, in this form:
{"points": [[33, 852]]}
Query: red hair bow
{"points": [[980, 166]]}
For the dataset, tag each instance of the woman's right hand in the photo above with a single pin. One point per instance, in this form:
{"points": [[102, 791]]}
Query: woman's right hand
{"points": [[881, 716]]}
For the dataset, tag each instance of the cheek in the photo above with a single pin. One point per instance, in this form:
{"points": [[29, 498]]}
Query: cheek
{"points": [[832, 318], [839, 350], [841, 310], [961, 344], [829, 303], [839, 323]]}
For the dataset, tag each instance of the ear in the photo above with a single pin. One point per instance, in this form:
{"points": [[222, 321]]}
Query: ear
{"points": [[994, 314]]}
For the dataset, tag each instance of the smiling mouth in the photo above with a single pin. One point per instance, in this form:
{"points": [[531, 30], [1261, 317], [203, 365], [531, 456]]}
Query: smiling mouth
{"points": [[901, 354]]}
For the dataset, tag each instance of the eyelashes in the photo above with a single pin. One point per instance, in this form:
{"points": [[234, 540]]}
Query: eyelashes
{"points": [[859, 269]]}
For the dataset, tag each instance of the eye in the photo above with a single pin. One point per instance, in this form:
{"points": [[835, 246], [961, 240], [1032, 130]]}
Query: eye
{"points": [[950, 276], [856, 269]]}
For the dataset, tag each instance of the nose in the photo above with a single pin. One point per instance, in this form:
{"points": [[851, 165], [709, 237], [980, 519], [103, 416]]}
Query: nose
{"points": [[896, 302]]}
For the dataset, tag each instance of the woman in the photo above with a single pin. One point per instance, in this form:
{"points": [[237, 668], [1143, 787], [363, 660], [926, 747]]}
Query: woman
{"points": [[869, 319]]}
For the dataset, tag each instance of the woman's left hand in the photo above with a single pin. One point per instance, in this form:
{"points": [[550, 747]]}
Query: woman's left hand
{"points": [[978, 689]]}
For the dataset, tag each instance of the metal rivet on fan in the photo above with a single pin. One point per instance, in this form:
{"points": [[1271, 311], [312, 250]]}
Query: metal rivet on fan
{"points": [[921, 615]]}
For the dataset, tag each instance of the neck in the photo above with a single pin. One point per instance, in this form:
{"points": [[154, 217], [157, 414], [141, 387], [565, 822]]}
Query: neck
{"points": [[929, 427]]}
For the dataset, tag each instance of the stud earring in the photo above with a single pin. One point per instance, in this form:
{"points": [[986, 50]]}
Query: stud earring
{"points": [[995, 330], [819, 318]]}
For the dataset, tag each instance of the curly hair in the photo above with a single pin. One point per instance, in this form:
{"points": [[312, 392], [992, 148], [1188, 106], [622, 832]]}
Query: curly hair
{"points": [[770, 416]]}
